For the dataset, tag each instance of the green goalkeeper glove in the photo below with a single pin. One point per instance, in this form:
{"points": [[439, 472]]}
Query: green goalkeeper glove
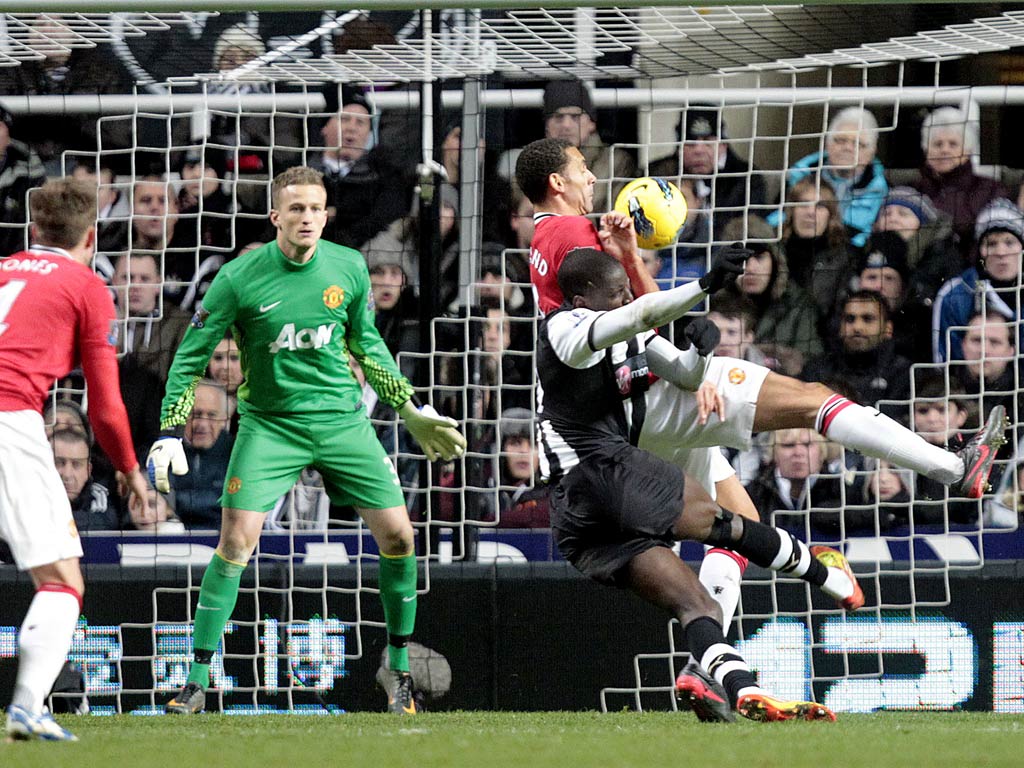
{"points": [[437, 435]]}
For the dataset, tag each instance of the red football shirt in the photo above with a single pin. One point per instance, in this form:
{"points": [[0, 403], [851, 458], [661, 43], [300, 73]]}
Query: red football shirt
{"points": [[553, 237], [56, 314]]}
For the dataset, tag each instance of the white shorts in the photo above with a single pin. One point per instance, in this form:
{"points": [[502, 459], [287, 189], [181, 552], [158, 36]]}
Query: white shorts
{"points": [[706, 466], [670, 424], [35, 515]]}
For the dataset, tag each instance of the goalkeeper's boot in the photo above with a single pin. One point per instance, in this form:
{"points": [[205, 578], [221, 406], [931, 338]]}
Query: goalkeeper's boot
{"points": [[697, 690], [190, 700], [979, 453], [400, 698], [767, 709], [22, 725], [833, 558]]}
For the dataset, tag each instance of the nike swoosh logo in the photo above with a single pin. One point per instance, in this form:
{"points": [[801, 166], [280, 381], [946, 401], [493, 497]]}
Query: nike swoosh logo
{"points": [[408, 599], [268, 307], [201, 607]]}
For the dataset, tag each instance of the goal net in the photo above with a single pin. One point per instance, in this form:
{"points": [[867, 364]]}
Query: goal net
{"points": [[746, 108]]}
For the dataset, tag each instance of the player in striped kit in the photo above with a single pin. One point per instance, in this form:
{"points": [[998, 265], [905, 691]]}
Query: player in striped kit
{"points": [[554, 176], [616, 509], [55, 313], [298, 306]]}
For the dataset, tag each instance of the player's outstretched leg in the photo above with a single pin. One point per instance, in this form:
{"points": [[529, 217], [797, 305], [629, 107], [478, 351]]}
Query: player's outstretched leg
{"points": [[784, 402], [772, 548], [217, 596]]}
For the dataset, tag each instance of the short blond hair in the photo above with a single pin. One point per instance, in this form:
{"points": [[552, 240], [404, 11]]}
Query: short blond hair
{"points": [[300, 175], [62, 211]]}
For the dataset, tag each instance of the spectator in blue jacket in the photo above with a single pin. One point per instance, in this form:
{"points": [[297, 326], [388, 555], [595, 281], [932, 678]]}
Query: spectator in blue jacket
{"points": [[993, 286], [207, 447], [849, 165]]}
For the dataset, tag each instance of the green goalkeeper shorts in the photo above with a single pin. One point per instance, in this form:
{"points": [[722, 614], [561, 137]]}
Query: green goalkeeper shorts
{"points": [[271, 450]]}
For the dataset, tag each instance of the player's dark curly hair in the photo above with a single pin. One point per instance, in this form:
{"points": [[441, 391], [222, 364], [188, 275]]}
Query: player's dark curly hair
{"points": [[582, 269], [538, 160]]}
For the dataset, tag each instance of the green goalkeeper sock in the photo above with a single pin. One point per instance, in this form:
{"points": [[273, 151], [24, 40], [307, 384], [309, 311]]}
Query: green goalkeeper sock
{"points": [[398, 594], [217, 597]]}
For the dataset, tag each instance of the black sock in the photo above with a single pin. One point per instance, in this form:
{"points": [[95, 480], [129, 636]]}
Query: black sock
{"points": [[780, 551], [723, 662]]}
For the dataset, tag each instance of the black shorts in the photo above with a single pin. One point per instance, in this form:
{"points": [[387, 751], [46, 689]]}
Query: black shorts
{"points": [[614, 505]]}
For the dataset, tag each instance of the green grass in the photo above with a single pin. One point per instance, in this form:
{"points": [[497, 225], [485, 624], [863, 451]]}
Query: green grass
{"points": [[529, 740]]}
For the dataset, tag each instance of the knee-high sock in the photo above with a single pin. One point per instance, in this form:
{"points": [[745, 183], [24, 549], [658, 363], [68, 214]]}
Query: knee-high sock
{"points": [[875, 434], [398, 594], [43, 643], [217, 596], [721, 573], [708, 646], [778, 550]]}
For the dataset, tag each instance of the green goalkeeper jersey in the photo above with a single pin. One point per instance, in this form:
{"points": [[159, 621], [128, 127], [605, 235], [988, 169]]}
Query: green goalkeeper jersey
{"points": [[295, 325]]}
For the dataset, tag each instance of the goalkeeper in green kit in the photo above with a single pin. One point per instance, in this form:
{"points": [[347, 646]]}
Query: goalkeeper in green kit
{"points": [[298, 306]]}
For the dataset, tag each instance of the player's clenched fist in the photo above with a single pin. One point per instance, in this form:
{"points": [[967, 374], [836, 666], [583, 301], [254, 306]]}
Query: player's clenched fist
{"points": [[166, 452]]}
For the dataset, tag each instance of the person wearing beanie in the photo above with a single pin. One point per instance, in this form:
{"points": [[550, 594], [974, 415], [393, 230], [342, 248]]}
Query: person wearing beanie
{"points": [[569, 114], [884, 268], [928, 232], [993, 285], [705, 155], [950, 143], [367, 189]]}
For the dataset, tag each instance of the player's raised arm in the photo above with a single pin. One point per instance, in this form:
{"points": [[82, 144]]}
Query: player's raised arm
{"points": [[618, 237], [684, 367]]}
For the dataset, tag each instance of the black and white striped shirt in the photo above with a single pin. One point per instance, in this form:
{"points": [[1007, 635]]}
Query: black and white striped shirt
{"points": [[586, 398]]}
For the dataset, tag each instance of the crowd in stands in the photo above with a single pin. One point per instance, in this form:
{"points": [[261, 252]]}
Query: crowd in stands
{"points": [[905, 295]]}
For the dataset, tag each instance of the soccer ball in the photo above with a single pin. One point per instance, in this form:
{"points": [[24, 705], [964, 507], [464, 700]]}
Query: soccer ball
{"points": [[657, 208]]}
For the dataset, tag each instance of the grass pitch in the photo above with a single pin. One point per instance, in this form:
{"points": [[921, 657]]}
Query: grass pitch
{"points": [[529, 740]]}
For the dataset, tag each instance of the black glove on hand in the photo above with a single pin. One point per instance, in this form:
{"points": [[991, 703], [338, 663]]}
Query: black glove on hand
{"points": [[725, 266], [703, 334]]}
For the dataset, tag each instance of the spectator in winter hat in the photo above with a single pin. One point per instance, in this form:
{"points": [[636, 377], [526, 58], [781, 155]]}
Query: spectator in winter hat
{"points": [[992, 286], [705, 155], [569, 114], [368, 186], [931, 248], [884, 268]]}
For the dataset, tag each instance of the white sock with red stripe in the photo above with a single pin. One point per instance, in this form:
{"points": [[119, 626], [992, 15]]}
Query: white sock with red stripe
{"points": [[721, 574], [874, 434], [43, 643]]}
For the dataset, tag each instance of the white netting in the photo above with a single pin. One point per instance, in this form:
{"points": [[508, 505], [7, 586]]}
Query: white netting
{"points": [[758, 60]]}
